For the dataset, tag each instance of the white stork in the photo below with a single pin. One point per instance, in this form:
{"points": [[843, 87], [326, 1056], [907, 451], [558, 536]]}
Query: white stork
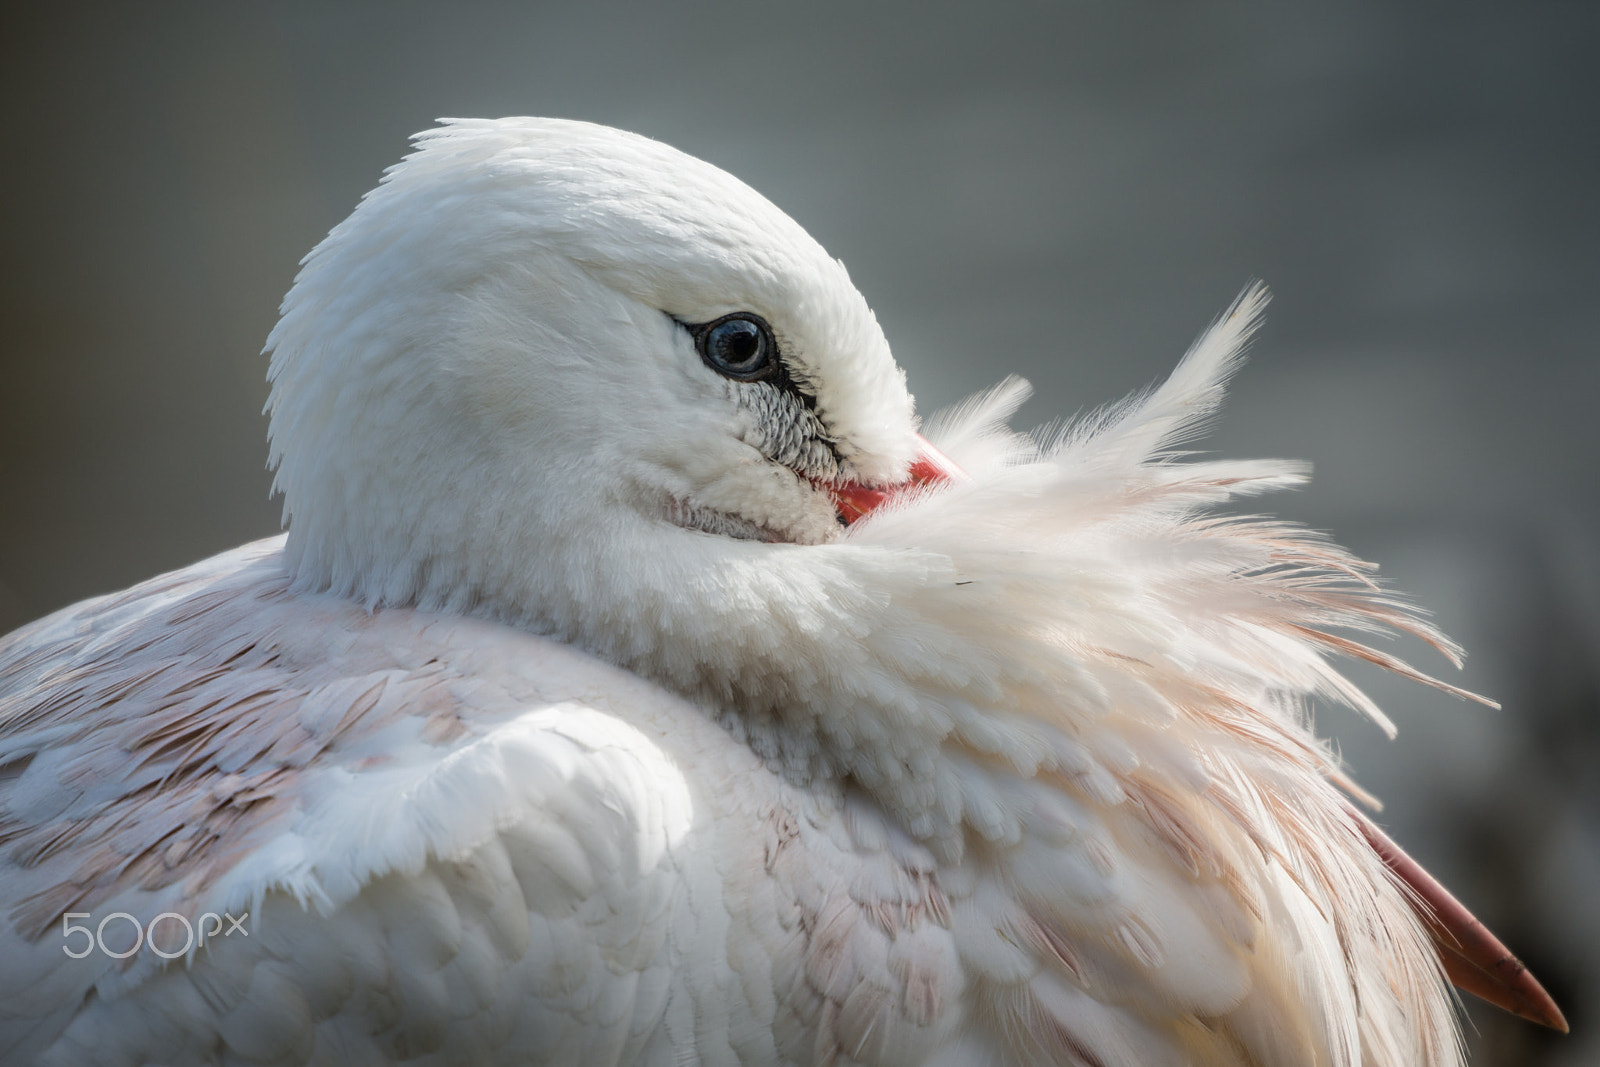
{"points": [[634, 685]]}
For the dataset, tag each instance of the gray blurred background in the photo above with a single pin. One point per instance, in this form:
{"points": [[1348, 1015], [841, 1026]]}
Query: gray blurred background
{"points": [[1066, 191]]}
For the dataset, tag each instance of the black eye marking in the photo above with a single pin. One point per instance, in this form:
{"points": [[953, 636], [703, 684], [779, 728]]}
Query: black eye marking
{"points": [[739, 346]]}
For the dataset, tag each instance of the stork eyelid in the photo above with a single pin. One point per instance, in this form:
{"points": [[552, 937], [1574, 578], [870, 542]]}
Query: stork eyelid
{"points": [[776, 372], [739, 345]]}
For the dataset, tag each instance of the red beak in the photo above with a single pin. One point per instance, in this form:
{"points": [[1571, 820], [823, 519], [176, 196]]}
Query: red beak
{"points": [[930, 468], [1474, 959]]}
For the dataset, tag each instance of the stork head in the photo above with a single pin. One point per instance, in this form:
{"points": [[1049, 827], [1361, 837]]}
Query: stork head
{"points": [[536, 338]]}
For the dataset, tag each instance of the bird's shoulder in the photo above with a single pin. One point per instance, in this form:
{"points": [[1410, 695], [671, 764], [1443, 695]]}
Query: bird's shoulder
{"points": [[188, 722], [449, 836]]}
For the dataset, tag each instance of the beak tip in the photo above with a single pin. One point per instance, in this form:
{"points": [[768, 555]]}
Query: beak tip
{"points": [[1474, 959]]}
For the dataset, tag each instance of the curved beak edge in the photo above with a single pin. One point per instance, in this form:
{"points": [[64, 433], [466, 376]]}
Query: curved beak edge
{"points": [[1474, 959], [853, 500]]}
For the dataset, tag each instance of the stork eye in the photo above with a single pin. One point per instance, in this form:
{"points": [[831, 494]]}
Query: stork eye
{"points": [[739, 346]]}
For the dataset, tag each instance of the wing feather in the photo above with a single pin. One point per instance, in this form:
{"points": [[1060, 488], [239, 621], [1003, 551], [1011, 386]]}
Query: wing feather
{"points": [[454, 843], [401, 827]]}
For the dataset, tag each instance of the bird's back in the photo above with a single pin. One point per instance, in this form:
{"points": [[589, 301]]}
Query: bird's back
{"points": [[444, 841], [355, 836]]}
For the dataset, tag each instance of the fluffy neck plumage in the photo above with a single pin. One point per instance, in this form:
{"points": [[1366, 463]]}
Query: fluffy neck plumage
{"points": [[1070, 657], [1066, 647]]}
